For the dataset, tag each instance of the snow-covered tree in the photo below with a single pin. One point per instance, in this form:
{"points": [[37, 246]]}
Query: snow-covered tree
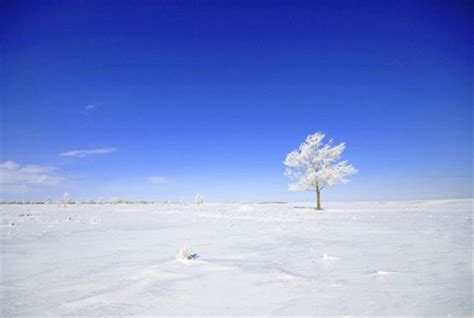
{"points": [[199, 199], [316, 166], [66, 199]]}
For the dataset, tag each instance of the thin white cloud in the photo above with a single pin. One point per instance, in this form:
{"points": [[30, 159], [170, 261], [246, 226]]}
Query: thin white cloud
{"points": [[157, 179], [9, 165], [14, 176], [90, 107], [89, 152], [36, 169]]}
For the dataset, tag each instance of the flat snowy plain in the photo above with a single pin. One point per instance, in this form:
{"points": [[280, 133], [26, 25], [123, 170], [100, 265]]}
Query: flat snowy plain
{"points": [[372, 258]]}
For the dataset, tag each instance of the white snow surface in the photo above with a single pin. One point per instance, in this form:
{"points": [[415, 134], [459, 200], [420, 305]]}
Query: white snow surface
{"points": [[366, 258]]}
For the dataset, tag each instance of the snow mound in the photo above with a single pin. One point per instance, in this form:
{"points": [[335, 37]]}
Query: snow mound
{"points": [[94, 221], [329, 258], [380, 273], [246, 208]]}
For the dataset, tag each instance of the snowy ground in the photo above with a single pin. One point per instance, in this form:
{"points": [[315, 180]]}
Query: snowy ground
{"points": [[380, 258]]}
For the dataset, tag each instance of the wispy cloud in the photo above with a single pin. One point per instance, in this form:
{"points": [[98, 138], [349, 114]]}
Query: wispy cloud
{"points": [[36, 169], [157, 179], [88, 152], [90, 107], [9, 165], [14, 176]]}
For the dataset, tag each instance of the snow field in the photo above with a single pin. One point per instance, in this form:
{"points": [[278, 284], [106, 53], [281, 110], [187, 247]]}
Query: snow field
{"points": [[376, 258]]}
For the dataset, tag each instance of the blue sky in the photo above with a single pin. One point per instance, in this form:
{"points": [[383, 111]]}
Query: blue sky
{"points": [[171, 98]]}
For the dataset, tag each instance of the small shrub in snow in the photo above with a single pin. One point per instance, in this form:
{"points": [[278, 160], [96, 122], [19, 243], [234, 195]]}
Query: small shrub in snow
{"points": [[185, 255]]}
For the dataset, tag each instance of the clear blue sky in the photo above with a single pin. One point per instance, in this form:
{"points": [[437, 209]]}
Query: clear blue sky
{"points": [[209, 96]]}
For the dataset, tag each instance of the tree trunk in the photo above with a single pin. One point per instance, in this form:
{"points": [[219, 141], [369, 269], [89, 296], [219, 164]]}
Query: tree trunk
{"points": [[318, 199]]}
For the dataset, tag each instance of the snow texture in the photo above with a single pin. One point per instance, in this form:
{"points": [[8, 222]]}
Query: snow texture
{"points": [[378, 258]]}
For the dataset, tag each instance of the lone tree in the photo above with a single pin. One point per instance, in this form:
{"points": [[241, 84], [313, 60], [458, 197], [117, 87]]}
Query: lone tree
{"points": [[66, 199], [199, 199], [317, 166]]}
